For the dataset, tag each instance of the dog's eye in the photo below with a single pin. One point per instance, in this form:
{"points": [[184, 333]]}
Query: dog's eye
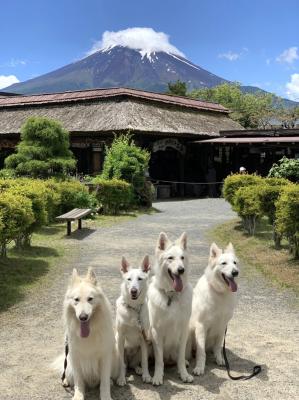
{"points": [[90, 299], [140, 279], [170, 258], [182, 258], [235, 262], [76, 299], [224, 263], [129, 279]]}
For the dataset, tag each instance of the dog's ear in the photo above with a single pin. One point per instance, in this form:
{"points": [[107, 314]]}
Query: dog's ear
{"points": [[75, 276], [91, 276], [229, 248], [182, 241], [163, 242], [125, 266], [215, 251], [145, 266]]}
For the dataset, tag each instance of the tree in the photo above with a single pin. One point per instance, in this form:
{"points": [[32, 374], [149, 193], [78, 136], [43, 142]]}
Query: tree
{"points": [[287, 168], [250, 110], [43, 150], [124, 160], [177, 88]]}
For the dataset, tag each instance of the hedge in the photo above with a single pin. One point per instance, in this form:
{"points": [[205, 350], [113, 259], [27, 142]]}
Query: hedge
{"points": [[113, 195], [287, 216], [233, 182], [248, 207]]}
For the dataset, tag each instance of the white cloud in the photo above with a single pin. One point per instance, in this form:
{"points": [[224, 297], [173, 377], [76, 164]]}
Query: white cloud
{"points": [[293, 87], [288, 56], [7, 80], [13, 63], [231, 56], [146, 40]]}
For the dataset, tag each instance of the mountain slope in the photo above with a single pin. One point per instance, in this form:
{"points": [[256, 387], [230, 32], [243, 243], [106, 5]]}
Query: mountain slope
{"points": [[121, 66]]}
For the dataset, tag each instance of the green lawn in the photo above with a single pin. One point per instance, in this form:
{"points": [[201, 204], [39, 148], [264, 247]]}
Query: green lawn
{"points": [[258, 251]]}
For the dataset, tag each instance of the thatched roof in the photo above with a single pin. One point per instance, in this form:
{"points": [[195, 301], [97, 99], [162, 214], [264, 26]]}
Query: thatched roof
{"points": [[106, 110]]}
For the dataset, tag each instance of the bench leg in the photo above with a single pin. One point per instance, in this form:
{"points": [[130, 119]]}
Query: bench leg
{"points": [[69, 228], [79, 223]]}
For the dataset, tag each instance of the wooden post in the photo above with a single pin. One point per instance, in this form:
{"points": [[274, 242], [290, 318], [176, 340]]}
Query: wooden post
{"points": [[79, 223], [69, 228]]}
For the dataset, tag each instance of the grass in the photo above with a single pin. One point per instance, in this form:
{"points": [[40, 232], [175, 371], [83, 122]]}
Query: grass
{"points": [[26, 271], [258, 251]]}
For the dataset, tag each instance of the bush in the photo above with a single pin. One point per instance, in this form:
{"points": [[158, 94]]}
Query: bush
{"points": [[233, 182], [16, 217], [73, 194], [268, 194], [248, 207], [43, 150], [114, 195], [126, 161], [287, 216], [286, 168]]}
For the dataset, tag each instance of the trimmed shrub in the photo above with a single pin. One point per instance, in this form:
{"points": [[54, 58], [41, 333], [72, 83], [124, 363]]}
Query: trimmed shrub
{"points": [[286, 168], [287, 217], [16, 216], [114, 195], [268, 194], [73, 194], [43, 150], [233, 182], [248, 207]]}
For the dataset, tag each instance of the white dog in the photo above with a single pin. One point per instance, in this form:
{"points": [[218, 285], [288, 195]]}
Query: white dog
{"points": [[132, 322], [90, 336], [214, 300], [169, 302]]}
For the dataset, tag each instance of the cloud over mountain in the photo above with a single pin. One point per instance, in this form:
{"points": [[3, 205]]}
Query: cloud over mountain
{"points": [[146, 40], [7, 80]]}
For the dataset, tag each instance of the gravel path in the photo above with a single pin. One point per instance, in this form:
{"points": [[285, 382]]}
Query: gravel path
{"points": [[264, 330]]}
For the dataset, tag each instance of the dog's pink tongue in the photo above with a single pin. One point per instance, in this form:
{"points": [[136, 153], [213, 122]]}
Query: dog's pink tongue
{"points": [[177, 283], [232, 285], [84, 329]]}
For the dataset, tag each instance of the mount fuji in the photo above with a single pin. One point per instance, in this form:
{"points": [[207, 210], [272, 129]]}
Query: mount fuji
{"points": [[121, 66]]}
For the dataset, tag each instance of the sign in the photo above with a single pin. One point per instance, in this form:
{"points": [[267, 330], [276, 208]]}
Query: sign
{"points": [[161, 145]]}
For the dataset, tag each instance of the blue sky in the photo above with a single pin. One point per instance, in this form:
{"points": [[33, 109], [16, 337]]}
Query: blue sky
{"points": [[253, 42]]}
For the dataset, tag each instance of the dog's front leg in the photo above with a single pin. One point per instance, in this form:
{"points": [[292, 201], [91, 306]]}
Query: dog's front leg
{"points": [[181, 361], [144, 362], [217, 349], [120, 340], [79, 387], [105, 376], [200, 340], [158, 352]]}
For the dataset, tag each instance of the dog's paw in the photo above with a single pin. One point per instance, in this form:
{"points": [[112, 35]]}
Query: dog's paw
{"points": [[185, 377], [199, 370], [138, 370], [121, 381], [220, 360], [147, 378], [78, 396], [157, 379]]}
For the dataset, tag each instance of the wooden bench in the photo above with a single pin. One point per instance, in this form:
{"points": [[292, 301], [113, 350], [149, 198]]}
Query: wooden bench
{"points": [[73, 215]]}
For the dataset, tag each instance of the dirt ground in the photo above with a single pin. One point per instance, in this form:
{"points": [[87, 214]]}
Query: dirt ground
{"points": [[264, 329]]}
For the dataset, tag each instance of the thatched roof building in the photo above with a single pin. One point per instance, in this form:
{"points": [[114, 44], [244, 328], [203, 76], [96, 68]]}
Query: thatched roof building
{"points": [[101, 111]]}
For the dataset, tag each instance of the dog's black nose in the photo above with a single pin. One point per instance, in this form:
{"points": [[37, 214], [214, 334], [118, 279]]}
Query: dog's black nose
{"points": [[235, 273], [134, 291], [181, 270], [83, 317]]}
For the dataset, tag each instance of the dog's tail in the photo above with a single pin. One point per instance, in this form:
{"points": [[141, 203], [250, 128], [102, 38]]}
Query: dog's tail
{"points": [[58, 366]]}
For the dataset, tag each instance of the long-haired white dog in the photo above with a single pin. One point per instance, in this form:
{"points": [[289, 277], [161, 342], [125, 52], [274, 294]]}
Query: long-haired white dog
{"points": [[90, 336], [214, 300], [132, 321], [169, 302]]}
